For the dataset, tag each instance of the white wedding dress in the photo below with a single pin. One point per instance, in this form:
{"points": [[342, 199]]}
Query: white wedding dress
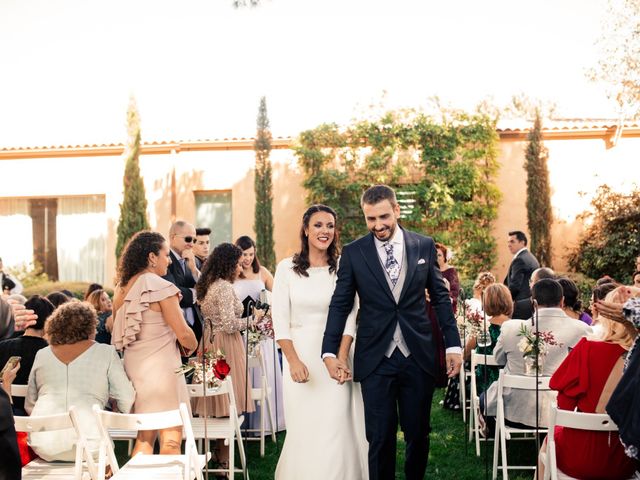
{"points": [[325, 421]]}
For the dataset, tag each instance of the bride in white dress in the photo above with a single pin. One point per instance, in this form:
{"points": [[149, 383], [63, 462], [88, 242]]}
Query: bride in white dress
{"points": [[325, 421]]}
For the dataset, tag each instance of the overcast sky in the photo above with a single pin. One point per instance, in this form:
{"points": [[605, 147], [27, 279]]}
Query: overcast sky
{"points": [[198, 68]]}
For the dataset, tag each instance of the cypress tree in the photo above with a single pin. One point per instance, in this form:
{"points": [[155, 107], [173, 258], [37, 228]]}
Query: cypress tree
{"points": [[539, 214], [263, 221], [133, 209]]}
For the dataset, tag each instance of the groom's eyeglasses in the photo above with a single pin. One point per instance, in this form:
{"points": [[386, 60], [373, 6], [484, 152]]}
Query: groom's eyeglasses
{"points": [[188, 238]]}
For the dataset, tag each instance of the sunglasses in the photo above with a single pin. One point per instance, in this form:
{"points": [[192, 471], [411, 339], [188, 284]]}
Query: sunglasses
{"points": [[188, 238]]}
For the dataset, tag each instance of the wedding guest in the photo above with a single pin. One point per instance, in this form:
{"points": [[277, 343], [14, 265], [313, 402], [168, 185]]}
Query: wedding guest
{"points": [[92, 288], [521, 267], [201, 247], [27, 346], [523, 308], [498, 307], [520, 405], [636, 279], [253, 280], [572, 304], [7, 321], [483, 280], [12, 283], [222, 312], [449, 273], [585, 382], [322, 416], [100, 300], [10, 462], [58, 298], [598, 294], [148, 326], [74, 370]]}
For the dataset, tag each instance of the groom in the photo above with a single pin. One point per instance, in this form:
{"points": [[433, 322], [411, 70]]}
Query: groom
{"points": [[395, 353]]}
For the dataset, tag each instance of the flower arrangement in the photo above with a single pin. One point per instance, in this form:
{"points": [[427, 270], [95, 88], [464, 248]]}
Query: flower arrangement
{"points": [[473, 323], [533, 343], [216, 369], [262, 329]]}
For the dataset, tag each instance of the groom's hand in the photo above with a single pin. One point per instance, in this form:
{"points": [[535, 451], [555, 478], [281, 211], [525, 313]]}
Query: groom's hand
{"points": [[337, 369], [454, 362]]}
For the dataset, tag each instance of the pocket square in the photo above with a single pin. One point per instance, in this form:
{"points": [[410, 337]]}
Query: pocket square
{"points": [[421, 261]]}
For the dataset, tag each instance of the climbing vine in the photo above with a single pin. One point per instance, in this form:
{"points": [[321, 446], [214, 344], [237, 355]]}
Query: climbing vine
{"points": [[443, 173]]}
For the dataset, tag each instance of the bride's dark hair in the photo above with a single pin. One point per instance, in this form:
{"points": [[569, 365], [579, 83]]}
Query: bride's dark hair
{"points": [[301, 259]]}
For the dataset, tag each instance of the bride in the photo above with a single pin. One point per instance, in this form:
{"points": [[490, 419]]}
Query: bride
{"points": [[325, 421]]}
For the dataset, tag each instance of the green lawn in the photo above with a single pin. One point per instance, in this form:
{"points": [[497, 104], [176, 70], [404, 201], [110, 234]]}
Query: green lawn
{"points": [[450, 457]]}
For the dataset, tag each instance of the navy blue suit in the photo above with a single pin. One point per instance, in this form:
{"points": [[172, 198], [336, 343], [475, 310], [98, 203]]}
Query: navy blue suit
{"points": [[395, 385]]}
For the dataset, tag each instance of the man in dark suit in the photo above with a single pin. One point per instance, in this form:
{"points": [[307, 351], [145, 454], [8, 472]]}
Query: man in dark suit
{"points": [[182, 271], [521, 268], [201, 247], [523, 308], [395, 352]]}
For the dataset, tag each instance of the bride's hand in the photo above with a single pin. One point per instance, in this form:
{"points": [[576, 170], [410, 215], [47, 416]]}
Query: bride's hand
{"points": [[299, 371], [344, 372]]}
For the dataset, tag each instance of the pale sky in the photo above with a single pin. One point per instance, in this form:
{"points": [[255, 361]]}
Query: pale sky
{"points": [[198, 68]]}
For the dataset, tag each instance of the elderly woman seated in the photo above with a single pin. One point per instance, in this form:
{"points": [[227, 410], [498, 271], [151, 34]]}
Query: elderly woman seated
{"points": [[74, 370], [585, 382]]}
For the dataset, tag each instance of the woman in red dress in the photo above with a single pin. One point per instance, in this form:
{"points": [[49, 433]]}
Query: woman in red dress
{"points": [[585, 381]]}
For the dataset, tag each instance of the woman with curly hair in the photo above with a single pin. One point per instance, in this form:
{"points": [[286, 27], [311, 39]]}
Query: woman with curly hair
{"points": [[74, 370], [223, 322], [148, 326], [321, 415]]}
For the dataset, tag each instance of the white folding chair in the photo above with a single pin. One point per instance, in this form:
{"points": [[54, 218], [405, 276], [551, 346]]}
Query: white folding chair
{"points": [[505, 432], [462, 388], [227, 428], [176, 467], [600, 422], [261, 395], [19, 390], [38, 468], [474, 422]]}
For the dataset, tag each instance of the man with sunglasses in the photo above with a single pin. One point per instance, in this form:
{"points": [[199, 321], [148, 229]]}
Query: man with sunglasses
{"points": [[183, 272]]}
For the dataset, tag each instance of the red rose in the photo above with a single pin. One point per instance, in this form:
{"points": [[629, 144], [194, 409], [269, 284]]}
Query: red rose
{"points": [[221, 369]]}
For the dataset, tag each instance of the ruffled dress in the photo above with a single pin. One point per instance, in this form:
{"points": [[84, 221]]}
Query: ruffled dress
{"points": [[151, 354]]}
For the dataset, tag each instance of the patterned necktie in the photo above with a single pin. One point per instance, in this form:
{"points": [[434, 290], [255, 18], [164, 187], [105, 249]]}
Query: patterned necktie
{"points": [[391, 265]]}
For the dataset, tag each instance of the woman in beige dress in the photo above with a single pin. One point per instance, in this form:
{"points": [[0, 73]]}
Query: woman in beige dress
{"points": [[223, 322], [148, 321]]}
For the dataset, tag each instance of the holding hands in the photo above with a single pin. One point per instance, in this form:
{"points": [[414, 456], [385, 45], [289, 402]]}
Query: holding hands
{"points": [[338, 369]]}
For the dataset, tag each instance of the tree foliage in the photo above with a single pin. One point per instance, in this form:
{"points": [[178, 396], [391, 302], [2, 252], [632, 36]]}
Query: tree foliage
{"points": [[539, 214], [133, 209], [443, 173], [263, 223], [610, 244], [619, 57]]}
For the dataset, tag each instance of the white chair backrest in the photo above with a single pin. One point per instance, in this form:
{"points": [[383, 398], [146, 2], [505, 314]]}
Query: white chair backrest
{"points": [[139, 421], [482, 359], [582, 421], [19, 390], [522, 382], [254, 362], [44, 423]]}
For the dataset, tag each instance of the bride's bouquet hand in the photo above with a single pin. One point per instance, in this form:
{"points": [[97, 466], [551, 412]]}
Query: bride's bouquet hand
{"points": [[299, 372]]}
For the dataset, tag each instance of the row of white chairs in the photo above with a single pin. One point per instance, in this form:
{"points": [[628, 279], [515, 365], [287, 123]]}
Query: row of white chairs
{"points": [[113, 426], [504, 432]]}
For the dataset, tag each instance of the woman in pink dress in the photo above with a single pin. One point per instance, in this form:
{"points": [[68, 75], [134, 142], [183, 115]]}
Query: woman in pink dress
{"points": [[148, 326]]}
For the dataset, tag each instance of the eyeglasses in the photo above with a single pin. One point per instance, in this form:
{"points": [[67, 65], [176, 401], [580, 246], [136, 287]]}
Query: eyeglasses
{"points": [[188, 238]]}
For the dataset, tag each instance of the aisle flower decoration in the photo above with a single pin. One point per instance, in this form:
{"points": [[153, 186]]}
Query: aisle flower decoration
{"points": [[216, 369], [534, 347], [261, 330]]}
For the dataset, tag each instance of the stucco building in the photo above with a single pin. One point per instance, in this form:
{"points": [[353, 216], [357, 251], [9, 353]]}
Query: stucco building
{"points": [[61, 204]]}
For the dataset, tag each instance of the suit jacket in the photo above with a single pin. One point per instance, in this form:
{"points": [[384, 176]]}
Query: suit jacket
{"points": [[519, 274], [185, 282], [361, 272], [522, 309], [520, 405]]}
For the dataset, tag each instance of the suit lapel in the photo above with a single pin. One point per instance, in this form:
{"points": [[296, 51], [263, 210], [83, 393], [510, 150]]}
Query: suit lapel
{"points": [[178, 274], [372, 259], [412, 249]]}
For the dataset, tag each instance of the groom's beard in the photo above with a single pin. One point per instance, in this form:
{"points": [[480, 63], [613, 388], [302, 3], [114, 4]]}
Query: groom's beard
{"points": [[385, 234]]}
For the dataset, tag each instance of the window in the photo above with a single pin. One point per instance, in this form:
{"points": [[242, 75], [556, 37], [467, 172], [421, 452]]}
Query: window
{"points": [[213, 210]]}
